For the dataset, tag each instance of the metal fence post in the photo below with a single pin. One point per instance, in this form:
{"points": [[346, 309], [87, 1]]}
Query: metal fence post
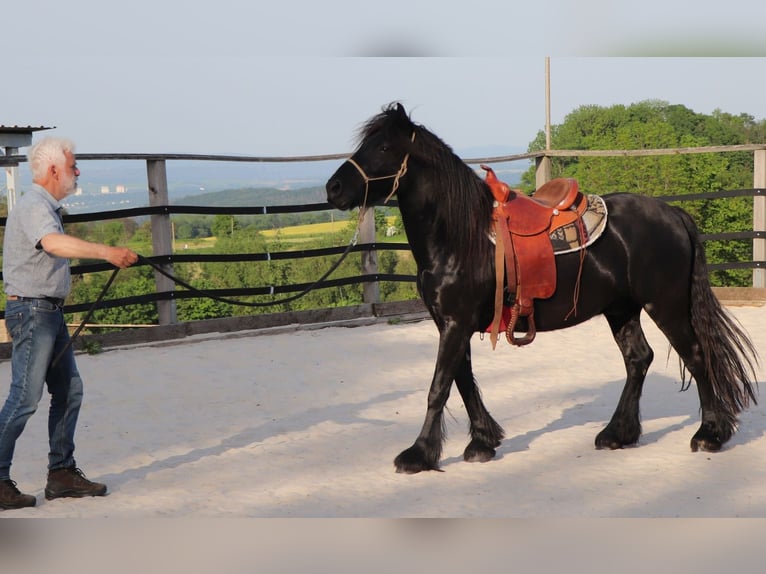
{"points": [[162, 236]]}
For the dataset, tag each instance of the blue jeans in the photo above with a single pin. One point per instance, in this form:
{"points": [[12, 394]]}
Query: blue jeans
{"points": [[39, 333]]}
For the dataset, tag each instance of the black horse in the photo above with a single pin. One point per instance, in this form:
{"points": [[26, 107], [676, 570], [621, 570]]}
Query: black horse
{"points": [[649, 258]]}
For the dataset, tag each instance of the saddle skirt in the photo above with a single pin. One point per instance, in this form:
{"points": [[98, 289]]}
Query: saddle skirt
{"points": [[528, 232]]}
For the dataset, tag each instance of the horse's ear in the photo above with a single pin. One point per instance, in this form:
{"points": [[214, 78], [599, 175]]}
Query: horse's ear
{"points": [[400, 110]]}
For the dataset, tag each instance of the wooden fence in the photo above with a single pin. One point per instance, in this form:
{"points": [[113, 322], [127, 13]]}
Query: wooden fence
{"points": [[160, 211]]}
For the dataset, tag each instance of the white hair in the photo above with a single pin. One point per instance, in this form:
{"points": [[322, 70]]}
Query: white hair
{"points": [[47, 152]]}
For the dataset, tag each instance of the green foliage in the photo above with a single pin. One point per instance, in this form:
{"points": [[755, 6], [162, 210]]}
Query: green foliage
{"points": [[128, 283], [404, 264], [193, 226], [380, 221], [225, 225], [734, 214], [92, 347], [114, 232], [198, 309], [657, 124]]}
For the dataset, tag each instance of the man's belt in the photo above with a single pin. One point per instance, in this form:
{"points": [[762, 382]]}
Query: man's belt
{"points": [[53, 300]]}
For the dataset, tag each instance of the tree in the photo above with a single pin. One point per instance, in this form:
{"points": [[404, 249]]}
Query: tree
{"points": [[224, 225], [128, 283], [381, 222], [658, 124]]}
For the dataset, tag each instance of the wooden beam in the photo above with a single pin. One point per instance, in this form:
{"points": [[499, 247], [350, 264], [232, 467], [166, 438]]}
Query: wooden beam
{"points": [[542, 171], [162, 236], [371, 290], [759, 216]]}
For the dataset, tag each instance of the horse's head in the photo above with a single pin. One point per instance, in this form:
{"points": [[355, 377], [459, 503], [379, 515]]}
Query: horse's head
{"points": [[375, 169]]}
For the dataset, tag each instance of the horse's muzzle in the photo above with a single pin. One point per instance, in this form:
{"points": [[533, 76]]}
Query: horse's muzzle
{"points": [[334, 189]]}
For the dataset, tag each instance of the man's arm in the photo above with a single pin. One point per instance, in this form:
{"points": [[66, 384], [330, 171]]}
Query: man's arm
{"points": [[62, 245]]}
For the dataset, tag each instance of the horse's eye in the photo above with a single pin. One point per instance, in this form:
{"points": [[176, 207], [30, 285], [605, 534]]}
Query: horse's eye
{"points": [[384, 148]]}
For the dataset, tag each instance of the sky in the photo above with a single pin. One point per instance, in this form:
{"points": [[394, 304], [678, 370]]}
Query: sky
{"points": [[299, 78]]}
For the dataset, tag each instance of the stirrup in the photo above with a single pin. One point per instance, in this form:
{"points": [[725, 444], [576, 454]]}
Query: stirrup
{"points": [[530, 334]]}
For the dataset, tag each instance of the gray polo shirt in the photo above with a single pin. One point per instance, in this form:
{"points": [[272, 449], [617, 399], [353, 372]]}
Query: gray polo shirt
{"points": [[28, 271]]}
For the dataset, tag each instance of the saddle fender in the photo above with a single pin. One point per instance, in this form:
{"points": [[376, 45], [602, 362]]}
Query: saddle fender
{"points": [[524, 249]]}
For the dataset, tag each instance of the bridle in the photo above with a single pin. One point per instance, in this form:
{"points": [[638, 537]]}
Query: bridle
{"points": [[396, 176]]}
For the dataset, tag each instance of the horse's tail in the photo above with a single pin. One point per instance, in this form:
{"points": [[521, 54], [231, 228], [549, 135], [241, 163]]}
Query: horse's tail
{"points": [[729, 354]]}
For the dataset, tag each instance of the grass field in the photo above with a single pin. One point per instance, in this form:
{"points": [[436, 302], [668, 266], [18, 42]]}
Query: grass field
{"points": [[308, 230], [293, 234]]}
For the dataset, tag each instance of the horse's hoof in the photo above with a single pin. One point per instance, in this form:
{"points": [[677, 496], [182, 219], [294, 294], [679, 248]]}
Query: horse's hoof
{"points": [[709, 438], [412, 461], [477, 451], [705, 444], [608, 445], [606, 441]]}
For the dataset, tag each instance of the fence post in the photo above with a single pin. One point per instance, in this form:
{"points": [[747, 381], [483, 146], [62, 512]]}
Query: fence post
{"points": [[11, 178], [542, 170], [371, 289], [759, 216], [162, 236]]}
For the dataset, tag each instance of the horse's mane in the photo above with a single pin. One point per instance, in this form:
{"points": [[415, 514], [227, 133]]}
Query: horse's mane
{"points": [[464, 202]]}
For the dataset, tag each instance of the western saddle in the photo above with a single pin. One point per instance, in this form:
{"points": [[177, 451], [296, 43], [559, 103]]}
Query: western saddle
{"points": [[523, 247]]}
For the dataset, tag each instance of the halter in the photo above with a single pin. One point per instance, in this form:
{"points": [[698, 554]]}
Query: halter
{"points": [[396, 176]]}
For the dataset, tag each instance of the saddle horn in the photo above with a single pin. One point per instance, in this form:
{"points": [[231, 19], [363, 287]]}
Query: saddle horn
{"points": [[500, 190]]}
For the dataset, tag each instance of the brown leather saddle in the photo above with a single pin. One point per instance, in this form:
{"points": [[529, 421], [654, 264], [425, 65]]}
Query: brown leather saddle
{"points": [[524, 256]]}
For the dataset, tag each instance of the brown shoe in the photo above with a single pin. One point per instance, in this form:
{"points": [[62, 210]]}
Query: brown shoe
{"points": [[11, 498], [71, 483]]}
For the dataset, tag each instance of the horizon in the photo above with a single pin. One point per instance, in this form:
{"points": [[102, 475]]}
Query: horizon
{"points": [[196, 177]]}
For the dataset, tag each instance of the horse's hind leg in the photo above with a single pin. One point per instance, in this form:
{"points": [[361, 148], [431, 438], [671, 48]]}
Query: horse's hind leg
{"points": [[625, 426], [718, 421], [486, 434]]}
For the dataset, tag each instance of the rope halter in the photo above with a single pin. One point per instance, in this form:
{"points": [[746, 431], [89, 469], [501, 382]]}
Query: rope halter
{"points": [[367, 179]]}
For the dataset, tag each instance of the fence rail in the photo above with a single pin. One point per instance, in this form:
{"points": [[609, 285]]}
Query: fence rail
{"points": [[160, 210]]}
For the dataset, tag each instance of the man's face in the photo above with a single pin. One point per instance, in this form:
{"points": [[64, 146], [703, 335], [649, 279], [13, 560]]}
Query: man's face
{"points": [[68, 175]]}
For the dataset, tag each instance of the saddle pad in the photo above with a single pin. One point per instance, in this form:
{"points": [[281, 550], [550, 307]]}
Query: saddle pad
{"points": [[570, 237]]}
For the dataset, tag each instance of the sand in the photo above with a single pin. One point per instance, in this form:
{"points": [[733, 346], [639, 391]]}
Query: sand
{"points": [[306, 422]]}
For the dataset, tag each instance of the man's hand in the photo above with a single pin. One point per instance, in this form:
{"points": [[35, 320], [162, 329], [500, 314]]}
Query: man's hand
{"points": [[121, 257]]}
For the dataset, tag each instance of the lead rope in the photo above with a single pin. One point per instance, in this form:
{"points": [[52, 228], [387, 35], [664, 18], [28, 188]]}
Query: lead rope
{"points": [[158, 268], [86, 318]]}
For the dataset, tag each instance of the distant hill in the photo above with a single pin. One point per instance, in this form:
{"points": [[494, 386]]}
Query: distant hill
{"points": [[256, 197]]}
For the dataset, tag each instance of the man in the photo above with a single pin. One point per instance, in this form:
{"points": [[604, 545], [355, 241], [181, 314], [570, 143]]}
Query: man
{"points": [[37, 280]]}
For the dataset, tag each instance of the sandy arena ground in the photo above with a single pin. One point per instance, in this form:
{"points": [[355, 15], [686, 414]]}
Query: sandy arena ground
{"points": [[307, 422]]}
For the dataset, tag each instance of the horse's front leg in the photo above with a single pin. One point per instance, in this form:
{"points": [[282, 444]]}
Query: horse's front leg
{"points": [[486, 433], [426, 452]]}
